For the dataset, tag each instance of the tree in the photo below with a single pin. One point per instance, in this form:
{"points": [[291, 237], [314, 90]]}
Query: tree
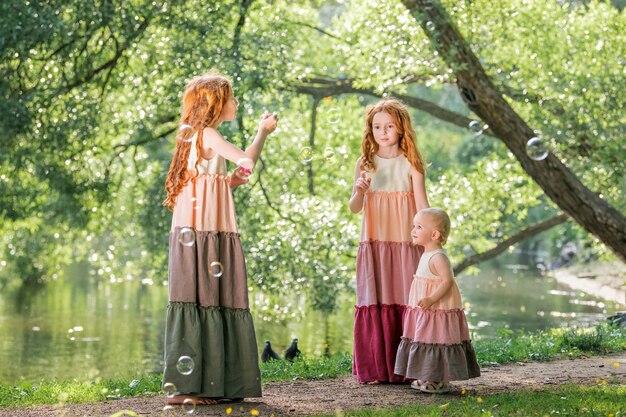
{"points": [[483, 98]]}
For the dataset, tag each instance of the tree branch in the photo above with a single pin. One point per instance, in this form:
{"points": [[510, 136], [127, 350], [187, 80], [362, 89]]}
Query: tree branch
{"points": [[318, 87], [523, 234]]}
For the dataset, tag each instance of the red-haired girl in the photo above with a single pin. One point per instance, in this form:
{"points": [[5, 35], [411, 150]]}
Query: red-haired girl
{"points": [[210, 345], [389, 188]]}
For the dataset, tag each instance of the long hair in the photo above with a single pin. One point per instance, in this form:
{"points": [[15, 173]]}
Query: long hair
{"points": [[202, 104], [407, 139]]}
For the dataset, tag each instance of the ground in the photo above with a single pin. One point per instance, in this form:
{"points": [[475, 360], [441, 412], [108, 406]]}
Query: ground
{"points": [[299, 398]]}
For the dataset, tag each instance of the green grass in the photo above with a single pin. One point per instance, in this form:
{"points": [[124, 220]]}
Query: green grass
{"points": [[551, 344], [509, 347], [307, 368], [569, 400]]}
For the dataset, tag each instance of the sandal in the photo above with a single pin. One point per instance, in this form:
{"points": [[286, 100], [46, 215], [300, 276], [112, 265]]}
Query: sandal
{"points": [[230, 400], [417, 384], [431, 387], [180, 400]]}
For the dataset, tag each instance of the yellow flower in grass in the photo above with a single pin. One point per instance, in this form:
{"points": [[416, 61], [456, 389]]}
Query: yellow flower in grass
{"points": [[229, 410], [254, 412], [479, 399]]}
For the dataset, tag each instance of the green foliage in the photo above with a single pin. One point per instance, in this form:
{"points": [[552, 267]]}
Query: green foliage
{"points": [[91, 95]]}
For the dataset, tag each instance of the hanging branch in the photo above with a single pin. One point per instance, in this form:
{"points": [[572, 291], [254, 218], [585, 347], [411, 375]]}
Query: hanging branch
{"points": [[520, 236]]}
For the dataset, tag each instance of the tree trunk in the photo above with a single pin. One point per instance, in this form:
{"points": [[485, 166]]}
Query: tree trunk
{"points": [[483, 98]]}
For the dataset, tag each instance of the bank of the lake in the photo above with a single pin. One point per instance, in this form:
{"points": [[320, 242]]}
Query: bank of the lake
{"points": [[509, 348], [606, 280]]}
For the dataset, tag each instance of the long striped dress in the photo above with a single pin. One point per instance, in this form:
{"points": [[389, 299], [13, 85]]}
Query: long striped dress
{"points": [[208, 315], [385, 264]]}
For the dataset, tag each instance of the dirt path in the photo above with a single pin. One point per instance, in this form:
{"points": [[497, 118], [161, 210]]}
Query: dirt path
{"points": [[298, 398]]}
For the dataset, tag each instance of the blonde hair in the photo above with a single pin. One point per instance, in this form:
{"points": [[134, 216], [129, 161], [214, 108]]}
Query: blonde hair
{"points": [[204, 98], [441, 222], [407, 139]]}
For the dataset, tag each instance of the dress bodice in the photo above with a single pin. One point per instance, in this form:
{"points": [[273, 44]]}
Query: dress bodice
{"points": [[215, 165], [392, 174], [423, 270]]}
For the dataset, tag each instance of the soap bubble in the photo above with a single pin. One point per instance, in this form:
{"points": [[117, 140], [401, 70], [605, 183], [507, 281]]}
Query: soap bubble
{"points": [[169, 389], [474, 126], [187, 236], [306, 154], [332, 116], [216, 269], [189, 406], [185, 365], [536, 149], [329, 154], [185, 133]]}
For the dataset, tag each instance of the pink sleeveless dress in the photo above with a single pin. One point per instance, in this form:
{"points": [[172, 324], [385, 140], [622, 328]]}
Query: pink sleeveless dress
{"points": [[435, 342], [385, 263]]}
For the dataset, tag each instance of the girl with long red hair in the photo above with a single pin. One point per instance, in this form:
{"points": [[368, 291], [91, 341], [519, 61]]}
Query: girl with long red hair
{"points": [[210, 344], [389, 187]]}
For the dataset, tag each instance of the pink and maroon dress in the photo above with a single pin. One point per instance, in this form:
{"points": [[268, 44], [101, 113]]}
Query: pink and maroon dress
{"points": [[385, 264], [435, 343]]}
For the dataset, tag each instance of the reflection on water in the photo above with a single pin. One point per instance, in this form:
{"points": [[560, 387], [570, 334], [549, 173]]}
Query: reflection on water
{"points": [[80, 330]]}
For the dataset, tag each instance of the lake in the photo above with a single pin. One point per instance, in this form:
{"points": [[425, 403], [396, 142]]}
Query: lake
{"points": [[79, 329]]}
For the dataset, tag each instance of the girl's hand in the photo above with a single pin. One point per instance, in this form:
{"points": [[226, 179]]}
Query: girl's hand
{"points": [[425, 303], [363, 183], [268, 123], [239, 177]]}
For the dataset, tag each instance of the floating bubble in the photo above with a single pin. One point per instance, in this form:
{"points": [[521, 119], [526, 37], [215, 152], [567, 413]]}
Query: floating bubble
{"points": [[185, 365], [168, 409], [474, 126], [169, 389], [430, 26], [329, 154], [306, 154], [185, 133], [189, 406], [133, 383], [216, 269], [536, 149], [332, 116], [187, 236]]}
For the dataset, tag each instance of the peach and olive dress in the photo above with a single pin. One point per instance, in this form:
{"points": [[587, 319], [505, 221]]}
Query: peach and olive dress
{"points": [[385, 264], [435, 342], [208, 316]]}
